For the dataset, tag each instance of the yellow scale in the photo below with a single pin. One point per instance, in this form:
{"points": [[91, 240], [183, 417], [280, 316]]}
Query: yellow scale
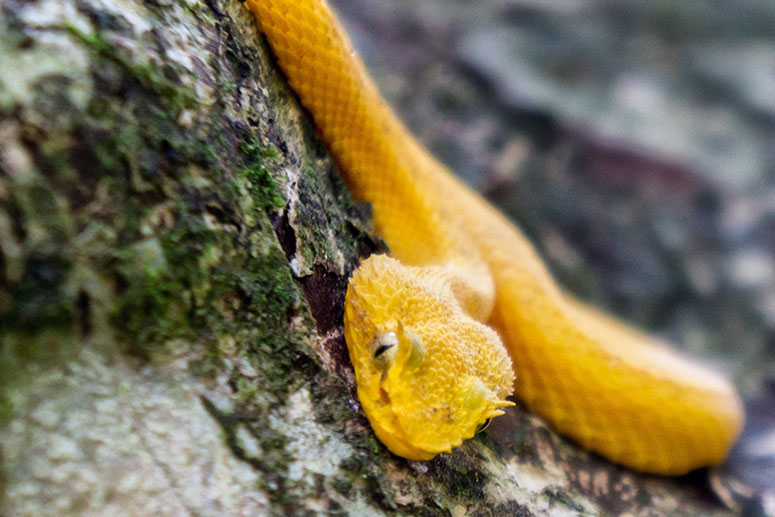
{"points": [[465, 312]]}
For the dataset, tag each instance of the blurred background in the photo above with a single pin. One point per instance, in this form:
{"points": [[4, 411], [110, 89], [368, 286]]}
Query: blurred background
{"points": [[634, 142]]}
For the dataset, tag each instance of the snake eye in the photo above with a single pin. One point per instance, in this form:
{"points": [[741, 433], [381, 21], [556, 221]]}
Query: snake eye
{"points": [[484, 425], [384, 350]]}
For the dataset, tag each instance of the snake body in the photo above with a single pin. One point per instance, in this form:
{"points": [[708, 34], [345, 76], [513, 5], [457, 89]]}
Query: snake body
{"points": [[465, 310]]}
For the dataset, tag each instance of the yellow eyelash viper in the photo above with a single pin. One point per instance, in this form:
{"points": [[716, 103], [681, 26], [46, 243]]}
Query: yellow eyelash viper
{"points": [[433, 332]]}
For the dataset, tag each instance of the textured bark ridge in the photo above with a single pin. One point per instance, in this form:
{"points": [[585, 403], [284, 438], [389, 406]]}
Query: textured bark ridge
{"points": [[174, 249]]}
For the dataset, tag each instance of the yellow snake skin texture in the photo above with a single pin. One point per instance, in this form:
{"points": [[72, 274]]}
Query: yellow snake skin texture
{"points": [[464, 310]]}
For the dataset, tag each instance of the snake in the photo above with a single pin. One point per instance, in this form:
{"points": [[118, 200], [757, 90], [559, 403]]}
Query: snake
{"points": [[463, 315]]}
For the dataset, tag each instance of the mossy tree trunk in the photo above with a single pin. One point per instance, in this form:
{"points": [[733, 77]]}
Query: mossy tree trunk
{"points": [[174, 249]]}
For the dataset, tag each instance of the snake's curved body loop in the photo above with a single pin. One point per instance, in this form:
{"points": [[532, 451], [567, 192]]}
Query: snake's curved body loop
{"points": [[429, 371]]}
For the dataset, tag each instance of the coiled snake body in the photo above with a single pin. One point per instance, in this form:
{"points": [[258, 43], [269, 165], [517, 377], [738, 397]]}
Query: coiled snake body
{"points": [[426, 328]]}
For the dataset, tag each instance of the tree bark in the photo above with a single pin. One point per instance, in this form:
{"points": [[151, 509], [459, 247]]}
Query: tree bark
{"points": [[175, 244]]}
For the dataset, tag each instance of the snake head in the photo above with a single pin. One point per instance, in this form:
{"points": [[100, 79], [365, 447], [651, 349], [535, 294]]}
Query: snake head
{"points": [[428, 375]]}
